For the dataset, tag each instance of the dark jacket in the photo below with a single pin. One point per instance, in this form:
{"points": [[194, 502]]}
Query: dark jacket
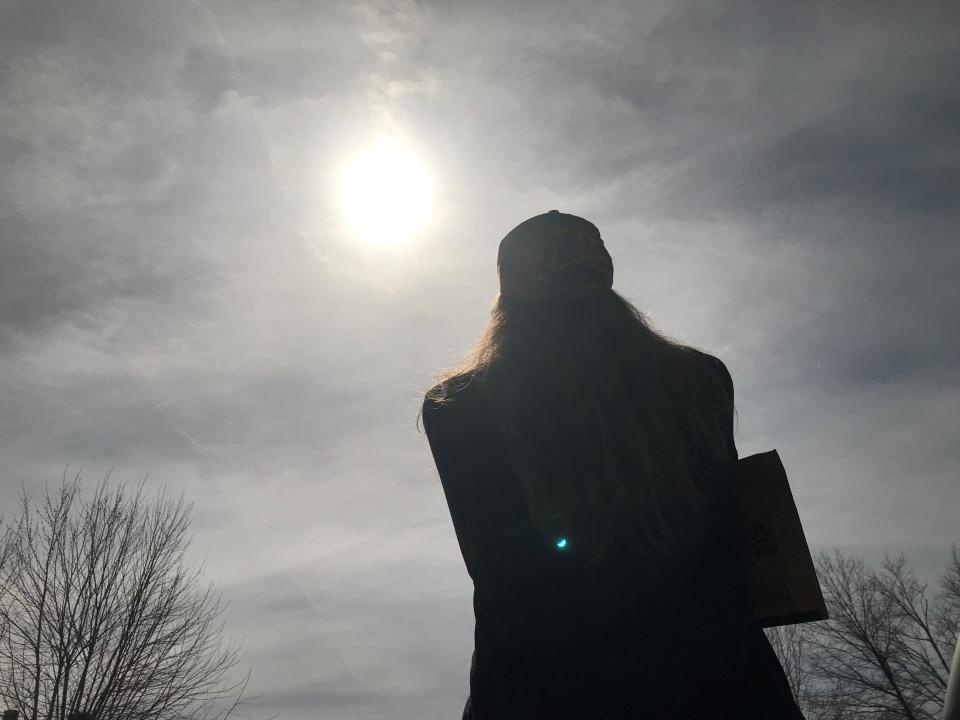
{"points": [[659, 638]]}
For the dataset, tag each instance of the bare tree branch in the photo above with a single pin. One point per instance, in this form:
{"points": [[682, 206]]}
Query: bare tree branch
{"points": [[885, 651], [99, 614]]}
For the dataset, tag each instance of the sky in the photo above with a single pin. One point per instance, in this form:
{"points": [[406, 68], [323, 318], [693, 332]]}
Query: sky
{"points": [[184, 296]]}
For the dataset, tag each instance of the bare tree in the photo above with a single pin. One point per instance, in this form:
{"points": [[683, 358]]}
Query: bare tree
{"points": [[886, 650], [864, 646], [925, 654], [99, 615]]}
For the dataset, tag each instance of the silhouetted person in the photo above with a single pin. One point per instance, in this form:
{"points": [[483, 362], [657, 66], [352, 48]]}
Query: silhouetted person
{"points": [[588, 466]]}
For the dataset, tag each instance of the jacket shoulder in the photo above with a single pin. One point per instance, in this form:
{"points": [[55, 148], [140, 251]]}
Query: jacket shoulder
{"points": [[454, 392], [716, 366]]}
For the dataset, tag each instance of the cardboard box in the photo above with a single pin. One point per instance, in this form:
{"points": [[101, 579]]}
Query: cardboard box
{"points": [[783, 581]]}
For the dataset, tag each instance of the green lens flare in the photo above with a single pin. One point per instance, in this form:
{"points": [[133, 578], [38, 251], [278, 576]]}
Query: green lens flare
{"points": [[562, 543]]}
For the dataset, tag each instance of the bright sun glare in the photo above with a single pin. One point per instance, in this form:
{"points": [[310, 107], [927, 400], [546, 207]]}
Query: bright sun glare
{"points": [[386, 193]]}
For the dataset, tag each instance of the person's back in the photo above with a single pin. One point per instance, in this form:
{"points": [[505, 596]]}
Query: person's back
{"points": [[562, 634]]}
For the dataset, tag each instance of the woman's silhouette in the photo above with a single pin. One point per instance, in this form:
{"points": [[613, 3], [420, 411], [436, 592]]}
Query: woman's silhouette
{"points": [[588, 465]]}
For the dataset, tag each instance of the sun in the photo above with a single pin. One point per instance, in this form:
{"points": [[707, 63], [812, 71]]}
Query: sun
{"points": [[386, 193]]}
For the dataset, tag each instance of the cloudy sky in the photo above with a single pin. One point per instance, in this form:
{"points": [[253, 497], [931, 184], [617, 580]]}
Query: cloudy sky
{"points": [[183, 295]]}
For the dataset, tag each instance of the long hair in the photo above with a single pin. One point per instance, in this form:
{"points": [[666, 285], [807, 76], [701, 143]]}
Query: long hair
{"points": [[609, 425]]}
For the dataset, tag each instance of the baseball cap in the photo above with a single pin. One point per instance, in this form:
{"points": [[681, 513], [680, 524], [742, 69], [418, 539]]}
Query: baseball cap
{"points": [[554, 255]]}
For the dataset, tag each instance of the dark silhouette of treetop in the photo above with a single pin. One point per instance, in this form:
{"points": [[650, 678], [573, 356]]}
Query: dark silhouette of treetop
{"points": [[100, 618]]}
